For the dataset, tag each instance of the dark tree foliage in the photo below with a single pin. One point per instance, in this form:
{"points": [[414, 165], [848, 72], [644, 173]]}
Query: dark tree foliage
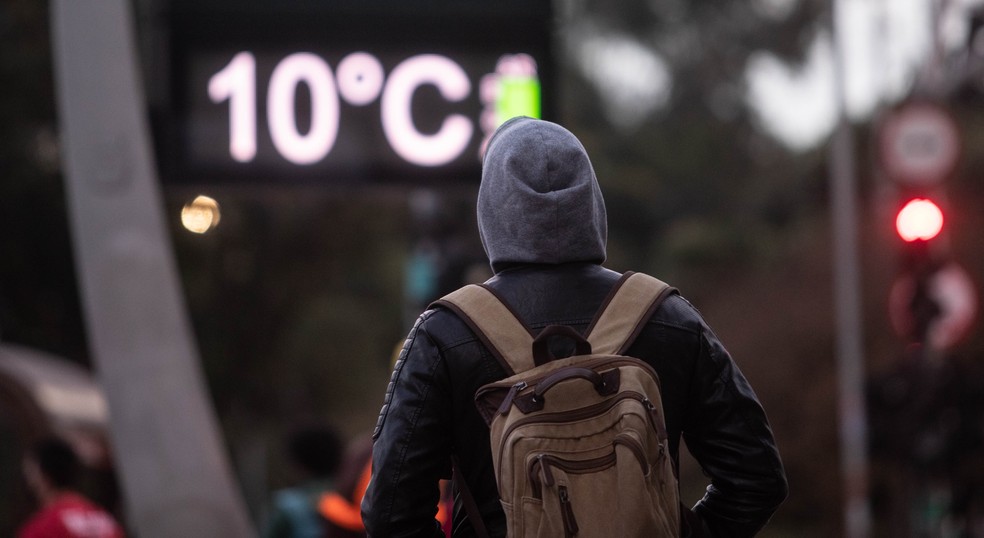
{"points": [[702, 155], [39, 305]]}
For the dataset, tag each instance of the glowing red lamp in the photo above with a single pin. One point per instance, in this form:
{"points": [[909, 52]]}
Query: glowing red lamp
{"points": [[919, 220]]}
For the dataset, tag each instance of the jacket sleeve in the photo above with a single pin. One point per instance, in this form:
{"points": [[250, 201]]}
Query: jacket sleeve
{"points": [[727, 432], [411, 444]]}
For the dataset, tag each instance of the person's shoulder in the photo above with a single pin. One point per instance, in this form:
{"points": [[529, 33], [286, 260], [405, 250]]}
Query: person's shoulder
{"points": [[443, 325], [676, 311], [82, 517], [49, 521]]}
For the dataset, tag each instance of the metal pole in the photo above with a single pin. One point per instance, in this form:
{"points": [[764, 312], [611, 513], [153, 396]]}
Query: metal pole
{"points": [[169, 454], [847, 303]]}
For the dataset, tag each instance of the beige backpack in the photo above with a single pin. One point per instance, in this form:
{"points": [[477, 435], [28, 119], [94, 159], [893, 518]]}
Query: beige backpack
{"points": [[579, 444]]}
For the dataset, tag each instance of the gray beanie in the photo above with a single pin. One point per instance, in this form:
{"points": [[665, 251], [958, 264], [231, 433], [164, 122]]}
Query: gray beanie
{"points": [[539, 201]]}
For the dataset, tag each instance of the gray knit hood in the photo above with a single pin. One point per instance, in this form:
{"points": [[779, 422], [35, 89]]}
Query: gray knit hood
{"points": [[539, 201]]}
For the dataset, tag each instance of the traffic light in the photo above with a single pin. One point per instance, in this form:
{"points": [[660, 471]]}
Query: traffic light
{"points": [[919, 147], [920, 219], [919, 223], [933, 301]]}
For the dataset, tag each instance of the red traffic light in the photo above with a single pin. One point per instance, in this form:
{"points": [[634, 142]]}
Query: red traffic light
{"points": [[919, 220]]}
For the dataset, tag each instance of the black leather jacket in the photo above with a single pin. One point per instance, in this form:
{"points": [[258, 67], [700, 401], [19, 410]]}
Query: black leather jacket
{"points": [[429, 414]]}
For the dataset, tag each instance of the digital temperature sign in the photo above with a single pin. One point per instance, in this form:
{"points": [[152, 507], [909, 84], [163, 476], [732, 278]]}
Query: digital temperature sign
{"points": [[300, 92]]}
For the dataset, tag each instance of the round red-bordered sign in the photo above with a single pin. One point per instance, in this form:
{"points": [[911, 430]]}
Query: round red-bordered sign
{"points": [[919, 144]]}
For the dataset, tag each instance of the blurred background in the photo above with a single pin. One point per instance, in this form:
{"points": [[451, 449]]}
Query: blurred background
{"points": [[718, 130]]}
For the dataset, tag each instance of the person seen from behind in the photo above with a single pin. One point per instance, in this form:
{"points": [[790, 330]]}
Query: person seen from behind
{"points": [[52, 470], [316, 453], [543, 224]]}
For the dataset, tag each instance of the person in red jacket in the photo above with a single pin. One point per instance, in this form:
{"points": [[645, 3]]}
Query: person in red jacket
{"points": [[51, 469]]}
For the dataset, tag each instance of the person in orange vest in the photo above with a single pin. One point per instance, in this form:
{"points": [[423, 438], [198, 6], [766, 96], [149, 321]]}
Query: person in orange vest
{"points": [[342, 507]]}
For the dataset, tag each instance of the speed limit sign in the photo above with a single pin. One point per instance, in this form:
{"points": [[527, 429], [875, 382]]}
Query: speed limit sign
{"points": [[919, 144]]}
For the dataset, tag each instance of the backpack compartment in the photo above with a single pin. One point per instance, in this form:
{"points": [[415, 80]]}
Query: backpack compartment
{"points": [[580, 442]]}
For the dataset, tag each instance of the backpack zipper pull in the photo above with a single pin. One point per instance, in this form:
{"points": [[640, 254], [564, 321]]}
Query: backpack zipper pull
{"points": [[567, 512], [657, 421], [660, 433], [510, 396]]}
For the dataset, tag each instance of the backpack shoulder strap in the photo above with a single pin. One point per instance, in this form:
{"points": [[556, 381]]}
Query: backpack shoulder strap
{"points": [[631, 303], [495, 324]]}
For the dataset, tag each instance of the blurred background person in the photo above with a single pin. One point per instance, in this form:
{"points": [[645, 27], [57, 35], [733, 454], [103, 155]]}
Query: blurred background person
{"points": [[52, 469], [316, 453], [341, 507]]}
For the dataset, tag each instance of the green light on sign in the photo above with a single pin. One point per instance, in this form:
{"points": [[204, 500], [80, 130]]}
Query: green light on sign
{"points": [[517, 96]]}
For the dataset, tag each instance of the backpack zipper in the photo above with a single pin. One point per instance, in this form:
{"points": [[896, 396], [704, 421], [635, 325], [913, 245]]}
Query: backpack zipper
{"points": [[657, 423], [546, 461], [510, 396], [566, 508], [635, 447], [587, 412], [567, 513], [615, 361]]}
